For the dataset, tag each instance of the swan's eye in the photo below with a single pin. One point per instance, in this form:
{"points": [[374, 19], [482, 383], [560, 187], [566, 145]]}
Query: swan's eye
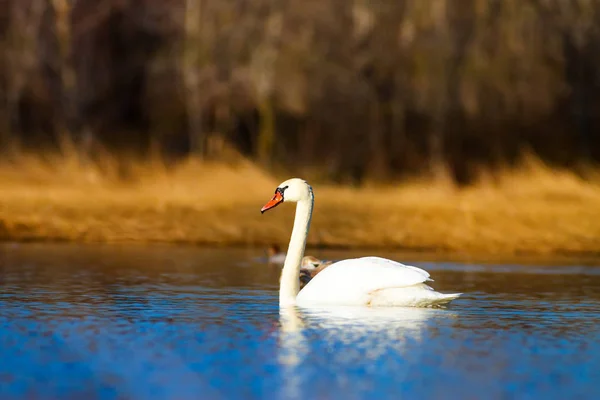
{"points": [[281, 190]]}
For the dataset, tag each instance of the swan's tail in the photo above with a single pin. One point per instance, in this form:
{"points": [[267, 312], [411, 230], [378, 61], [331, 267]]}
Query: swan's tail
{"points": [[438, 299], [420, 295], [444, 299]]}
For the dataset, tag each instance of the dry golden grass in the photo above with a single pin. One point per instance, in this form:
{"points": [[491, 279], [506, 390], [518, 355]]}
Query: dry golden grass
{"points": [[535, 210]]}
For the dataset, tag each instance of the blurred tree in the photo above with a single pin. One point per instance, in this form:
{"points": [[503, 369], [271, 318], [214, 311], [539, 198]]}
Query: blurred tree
{"points": [[65, 118], [346, 90]]}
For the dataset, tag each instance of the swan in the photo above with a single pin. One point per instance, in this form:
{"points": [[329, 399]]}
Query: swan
{"points": [[366, 281]]}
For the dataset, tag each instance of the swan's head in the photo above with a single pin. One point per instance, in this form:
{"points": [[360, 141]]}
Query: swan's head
{"points": [[292, 190]]}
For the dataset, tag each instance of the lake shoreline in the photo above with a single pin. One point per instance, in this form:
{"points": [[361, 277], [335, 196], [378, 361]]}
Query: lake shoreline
{"points": [[338, 252], [541, 213], [580, 258]]}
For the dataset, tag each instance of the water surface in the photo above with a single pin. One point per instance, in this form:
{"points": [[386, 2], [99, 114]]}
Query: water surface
{"points": [[166, 322]]}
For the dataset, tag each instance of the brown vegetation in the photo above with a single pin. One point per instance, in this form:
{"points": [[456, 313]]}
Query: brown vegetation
{"points": [[145, 100], [534, 210]]}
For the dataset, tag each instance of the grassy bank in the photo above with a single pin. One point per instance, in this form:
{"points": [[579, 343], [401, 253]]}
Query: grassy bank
{"points": [[535, 211]]}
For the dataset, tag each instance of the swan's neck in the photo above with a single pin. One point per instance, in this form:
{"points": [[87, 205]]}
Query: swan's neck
{"points": [[290, 283]]}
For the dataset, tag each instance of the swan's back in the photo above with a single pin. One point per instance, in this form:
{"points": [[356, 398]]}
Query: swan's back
{"points": [[353, 281]]}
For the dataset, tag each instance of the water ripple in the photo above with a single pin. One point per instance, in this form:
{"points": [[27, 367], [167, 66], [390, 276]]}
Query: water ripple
{"points": [[105, 327]]}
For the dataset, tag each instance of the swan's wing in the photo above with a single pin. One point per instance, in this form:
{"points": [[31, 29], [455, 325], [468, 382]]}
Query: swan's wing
{"points": [[352, 281], [395, 264]]}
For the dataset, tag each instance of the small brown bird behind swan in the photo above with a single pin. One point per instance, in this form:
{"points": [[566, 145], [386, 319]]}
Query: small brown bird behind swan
{"points": [[311, 266]]}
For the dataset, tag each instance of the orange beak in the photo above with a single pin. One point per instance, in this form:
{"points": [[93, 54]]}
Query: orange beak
{"points": [[274, 202]]}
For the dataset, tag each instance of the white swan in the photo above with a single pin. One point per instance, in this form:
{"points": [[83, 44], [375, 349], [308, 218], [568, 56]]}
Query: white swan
{"points": [[370, 281]]}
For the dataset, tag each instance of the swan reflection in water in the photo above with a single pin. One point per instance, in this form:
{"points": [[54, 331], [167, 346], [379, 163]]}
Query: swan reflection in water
{"points": [[342, 336]]}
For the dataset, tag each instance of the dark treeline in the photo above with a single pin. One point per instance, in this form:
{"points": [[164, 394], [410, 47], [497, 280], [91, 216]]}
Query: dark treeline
{"points": [[353, 89]]}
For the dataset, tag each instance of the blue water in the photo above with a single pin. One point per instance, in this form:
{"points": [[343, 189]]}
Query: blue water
{"points": [[102, 322]]}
